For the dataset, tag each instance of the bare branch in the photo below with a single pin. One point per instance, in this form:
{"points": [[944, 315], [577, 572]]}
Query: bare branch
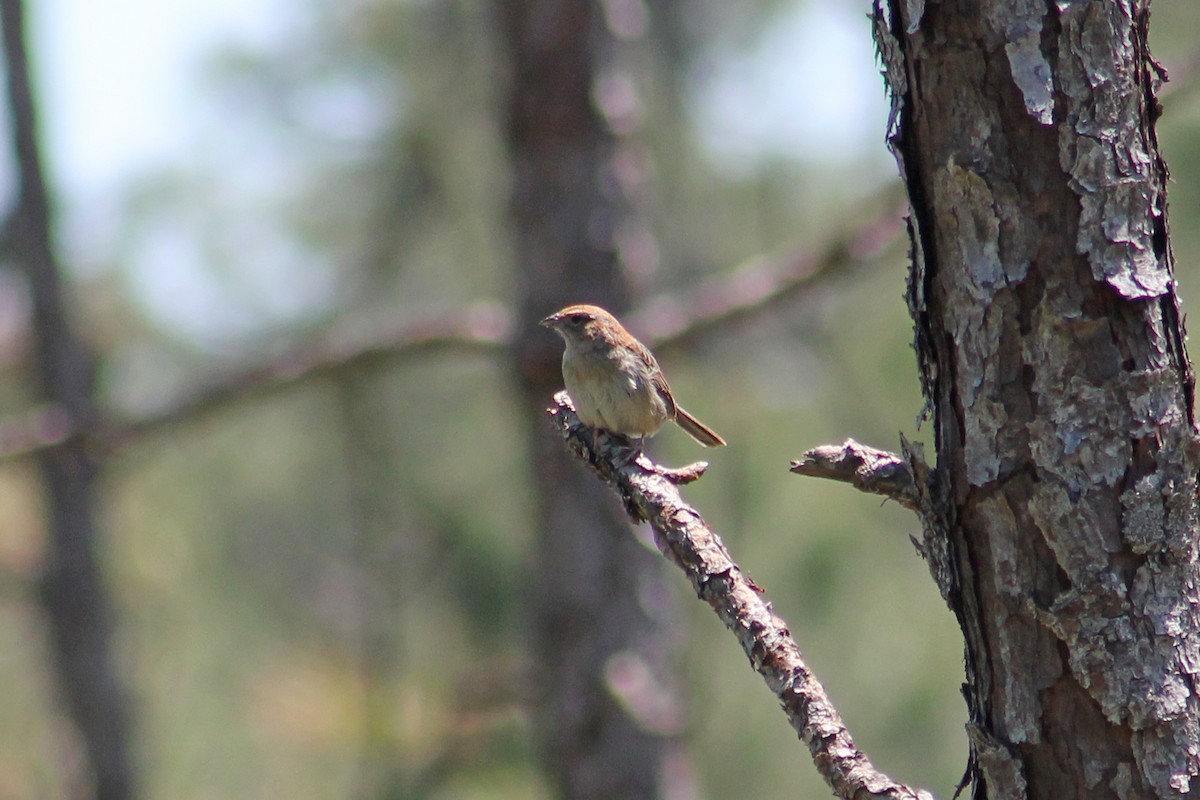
{"points": [[482, 328], [761, 284], [687, 541], [485, 328], [865, 468], [1183, 79], [48, 425]]}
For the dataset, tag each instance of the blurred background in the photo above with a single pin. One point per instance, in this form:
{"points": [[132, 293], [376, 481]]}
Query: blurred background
{"points": [[285, 233]]}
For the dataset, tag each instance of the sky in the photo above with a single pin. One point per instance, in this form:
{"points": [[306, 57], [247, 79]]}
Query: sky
{"points": [[809, 87], [121, 95], [119, 85], [116, 79]]}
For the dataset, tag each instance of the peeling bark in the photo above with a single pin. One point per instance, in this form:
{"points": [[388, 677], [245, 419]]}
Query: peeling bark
{"points": [[1061, 518]]}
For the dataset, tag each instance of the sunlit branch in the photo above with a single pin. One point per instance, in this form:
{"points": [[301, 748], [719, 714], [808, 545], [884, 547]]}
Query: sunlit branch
{"points": [[687, 541], [865, 468]]}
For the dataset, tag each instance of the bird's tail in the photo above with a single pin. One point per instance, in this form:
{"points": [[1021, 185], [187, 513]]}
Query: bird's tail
{"points": [[697, 429]]}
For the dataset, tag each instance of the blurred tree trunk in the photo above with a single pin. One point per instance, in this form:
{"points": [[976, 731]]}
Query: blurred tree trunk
{"points": [[599, 609], [1062, 514], [72, 592]]}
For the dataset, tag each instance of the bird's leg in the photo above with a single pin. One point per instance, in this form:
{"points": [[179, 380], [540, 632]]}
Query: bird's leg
{"points": [[639, 455]]}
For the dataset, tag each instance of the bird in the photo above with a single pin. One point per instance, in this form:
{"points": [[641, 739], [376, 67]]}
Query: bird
{"points": [[615, 381]]}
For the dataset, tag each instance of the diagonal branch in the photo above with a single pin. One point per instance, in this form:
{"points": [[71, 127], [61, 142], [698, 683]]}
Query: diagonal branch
{"points": [[40, 428], [481, 328], [762, 284], [485, 328], [687, 541]]}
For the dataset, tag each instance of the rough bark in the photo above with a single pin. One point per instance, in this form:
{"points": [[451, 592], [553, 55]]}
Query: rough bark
{"points": [[1061, 517], [649, 494], [599, 608], [73, 595]]}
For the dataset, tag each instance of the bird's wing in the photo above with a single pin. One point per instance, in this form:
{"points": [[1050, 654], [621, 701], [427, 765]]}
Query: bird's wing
{"points": [[659, 380]]}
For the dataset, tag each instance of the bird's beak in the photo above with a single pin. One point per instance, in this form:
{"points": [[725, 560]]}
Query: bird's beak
{"points": [[550, 321]]}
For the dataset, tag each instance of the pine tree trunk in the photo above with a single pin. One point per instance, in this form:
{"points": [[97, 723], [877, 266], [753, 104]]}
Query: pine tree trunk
{"points": [[1061, 518]]}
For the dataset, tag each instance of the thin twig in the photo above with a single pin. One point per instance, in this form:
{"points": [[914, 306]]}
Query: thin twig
{"points": [[687, 541], [865, 468], [40, 428], [1183, 79]]}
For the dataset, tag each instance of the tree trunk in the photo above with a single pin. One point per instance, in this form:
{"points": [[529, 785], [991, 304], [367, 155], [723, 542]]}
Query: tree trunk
{"points": [[1061, 516], [73, 595], [598, 609]]}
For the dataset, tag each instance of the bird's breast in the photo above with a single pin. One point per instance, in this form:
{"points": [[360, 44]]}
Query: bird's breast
{"points": [[610, 395]]}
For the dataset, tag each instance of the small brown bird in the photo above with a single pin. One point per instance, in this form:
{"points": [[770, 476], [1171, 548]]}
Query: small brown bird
{"points": [[613, 379]]}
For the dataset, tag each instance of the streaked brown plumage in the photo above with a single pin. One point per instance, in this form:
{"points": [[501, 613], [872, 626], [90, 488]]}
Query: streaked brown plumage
{"points": [[614, 380]]}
